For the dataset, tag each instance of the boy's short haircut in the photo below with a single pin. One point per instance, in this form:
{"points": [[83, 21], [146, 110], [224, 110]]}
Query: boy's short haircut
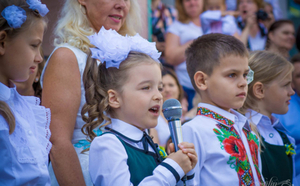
{"points": [[295, 58], [206, 51]]}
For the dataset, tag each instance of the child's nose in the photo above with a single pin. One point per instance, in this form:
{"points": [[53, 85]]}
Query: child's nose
{"points": [[291, 92], [243, 82], [39, 58], [158, 96]]}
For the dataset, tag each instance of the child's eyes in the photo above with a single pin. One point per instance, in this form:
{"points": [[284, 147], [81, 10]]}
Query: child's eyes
{"points": [[34, 46], [232, 75], [245, 75], [146, 88], [160, 89]]}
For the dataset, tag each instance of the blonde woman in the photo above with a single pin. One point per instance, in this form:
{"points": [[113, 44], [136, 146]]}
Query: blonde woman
{"points": [[63, 90]]}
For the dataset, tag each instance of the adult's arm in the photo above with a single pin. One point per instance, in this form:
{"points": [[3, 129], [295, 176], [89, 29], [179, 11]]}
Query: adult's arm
{"points": [[250, 23], [61, 93], [174, 51]]}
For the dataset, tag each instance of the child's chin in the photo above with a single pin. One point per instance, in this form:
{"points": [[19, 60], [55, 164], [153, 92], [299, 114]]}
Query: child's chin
{"points": [[237, 106]]}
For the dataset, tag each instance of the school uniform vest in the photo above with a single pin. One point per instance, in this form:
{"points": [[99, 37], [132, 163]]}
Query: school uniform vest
{"points": [[141, 162], [274, 156]]}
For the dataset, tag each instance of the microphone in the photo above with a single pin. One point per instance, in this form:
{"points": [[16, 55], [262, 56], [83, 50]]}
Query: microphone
{"points": [[172, 111]]}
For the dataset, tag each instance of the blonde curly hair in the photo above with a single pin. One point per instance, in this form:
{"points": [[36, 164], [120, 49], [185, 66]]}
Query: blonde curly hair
{"points": [[73, 26]]}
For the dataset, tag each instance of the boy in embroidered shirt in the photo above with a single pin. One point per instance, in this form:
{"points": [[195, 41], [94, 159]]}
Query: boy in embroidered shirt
{"points": [[227, 148], [216, 19]]}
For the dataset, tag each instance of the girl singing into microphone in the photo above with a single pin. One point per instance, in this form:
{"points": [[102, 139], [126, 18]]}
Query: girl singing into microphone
{"points": [[123, 98]]}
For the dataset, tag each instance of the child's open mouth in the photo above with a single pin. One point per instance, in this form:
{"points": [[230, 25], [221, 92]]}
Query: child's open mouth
{"points": [[154, 109]]}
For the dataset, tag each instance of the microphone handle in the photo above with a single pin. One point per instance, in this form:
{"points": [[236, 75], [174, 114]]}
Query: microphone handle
{"points": [[176, 132], [176, 135]]}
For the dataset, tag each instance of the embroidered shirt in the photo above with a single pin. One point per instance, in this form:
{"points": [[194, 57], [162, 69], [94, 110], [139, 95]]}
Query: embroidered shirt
{"points": [[108, 159], [227, 149], [24, 153]]}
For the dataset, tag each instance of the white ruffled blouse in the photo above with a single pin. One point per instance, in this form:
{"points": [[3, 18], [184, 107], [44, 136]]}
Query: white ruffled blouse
{"points": [[24, 153]]}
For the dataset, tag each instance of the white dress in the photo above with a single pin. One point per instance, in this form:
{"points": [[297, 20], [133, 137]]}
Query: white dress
{"points": [[79, 139], [24, 153]]}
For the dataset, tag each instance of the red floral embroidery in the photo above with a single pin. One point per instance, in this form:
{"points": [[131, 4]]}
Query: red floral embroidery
{"points": [[253, 149], [235, 147]]}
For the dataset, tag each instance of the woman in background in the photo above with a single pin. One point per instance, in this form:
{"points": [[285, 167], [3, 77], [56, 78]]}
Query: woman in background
{"points": [[281, 37], [179, 37]]}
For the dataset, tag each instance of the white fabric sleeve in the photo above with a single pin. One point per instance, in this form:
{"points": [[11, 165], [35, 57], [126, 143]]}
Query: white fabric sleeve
{"points": [[191, 135], [229, 26], [208, 17], [6, 173], [174, 28], [108, 165]]}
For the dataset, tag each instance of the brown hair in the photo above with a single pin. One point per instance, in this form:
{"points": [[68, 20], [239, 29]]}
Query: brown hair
{"points": [[182, 15], [32, 17], [274, 27], [267, 66], [168, 71], [97, 81], [8, 116], [206, 51], [295, 58]]}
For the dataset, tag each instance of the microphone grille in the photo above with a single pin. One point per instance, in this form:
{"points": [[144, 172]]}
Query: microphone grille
{"points": [[172, 109]]}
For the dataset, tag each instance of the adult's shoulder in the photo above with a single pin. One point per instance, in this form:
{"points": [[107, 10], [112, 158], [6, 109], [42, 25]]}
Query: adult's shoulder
{"points": [[176, 27], [66, 50], [65, 57]]}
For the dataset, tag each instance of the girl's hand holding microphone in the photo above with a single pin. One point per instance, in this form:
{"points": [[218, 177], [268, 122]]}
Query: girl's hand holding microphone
{"points": [[186, 157]]}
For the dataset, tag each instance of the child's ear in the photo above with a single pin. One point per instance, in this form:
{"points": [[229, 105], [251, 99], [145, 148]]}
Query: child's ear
{"points": [[200, 80], [259, 90], [3, 38], [113, 98], [82, 2], [271, 36]]}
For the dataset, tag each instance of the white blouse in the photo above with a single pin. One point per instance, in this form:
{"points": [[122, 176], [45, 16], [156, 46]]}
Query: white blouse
{"points": [[108, 159], [267, 126], [24, 153], [222, 146], [267, 129]]}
